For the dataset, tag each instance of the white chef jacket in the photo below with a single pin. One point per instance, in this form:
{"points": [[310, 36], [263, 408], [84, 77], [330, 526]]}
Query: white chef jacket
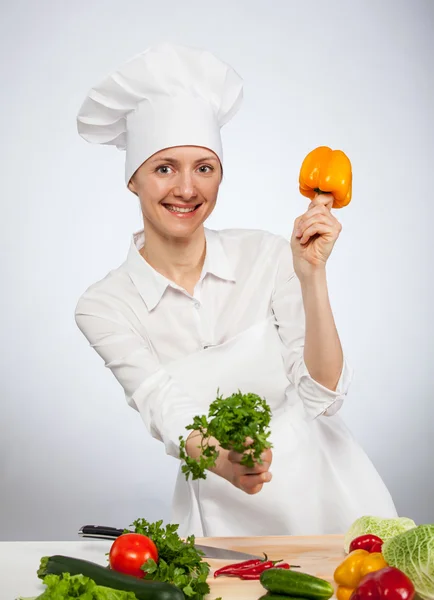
{"points": [[139, 321]]}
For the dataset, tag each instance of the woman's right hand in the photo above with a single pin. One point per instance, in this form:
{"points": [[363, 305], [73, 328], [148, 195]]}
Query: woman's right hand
{"points": [[248, 479]]}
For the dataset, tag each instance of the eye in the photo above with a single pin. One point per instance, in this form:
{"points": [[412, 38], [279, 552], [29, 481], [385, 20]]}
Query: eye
{"points": [[206, 169], [163, 169]]}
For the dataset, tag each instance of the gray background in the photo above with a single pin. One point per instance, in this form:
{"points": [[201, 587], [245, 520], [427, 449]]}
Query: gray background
{"points": [[352, 75]]}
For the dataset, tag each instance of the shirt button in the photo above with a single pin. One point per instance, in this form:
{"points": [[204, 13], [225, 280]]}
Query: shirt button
{"points": [[196, 305]]}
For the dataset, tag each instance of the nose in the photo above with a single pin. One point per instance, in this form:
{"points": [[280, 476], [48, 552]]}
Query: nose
{"points": [[185, 187]]}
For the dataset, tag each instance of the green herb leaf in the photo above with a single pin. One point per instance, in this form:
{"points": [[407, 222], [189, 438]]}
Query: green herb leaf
{"points": [[230, 420], [179, 562]]}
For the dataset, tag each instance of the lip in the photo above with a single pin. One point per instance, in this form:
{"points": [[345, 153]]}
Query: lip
{"points": [[187, 215]]}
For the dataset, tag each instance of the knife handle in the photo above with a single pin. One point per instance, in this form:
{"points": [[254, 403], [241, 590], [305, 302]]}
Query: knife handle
{"points": [[100, 531]]}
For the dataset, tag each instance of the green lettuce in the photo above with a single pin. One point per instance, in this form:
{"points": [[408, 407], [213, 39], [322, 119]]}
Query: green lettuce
{"points": [[383, 528], [412, 552], [78, 587]]}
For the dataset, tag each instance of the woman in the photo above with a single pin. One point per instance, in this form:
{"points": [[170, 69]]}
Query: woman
{"points": [[193, 310]]}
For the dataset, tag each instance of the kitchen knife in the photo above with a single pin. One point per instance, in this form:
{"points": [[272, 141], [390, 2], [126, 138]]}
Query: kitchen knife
{"points": [[111, 533]]}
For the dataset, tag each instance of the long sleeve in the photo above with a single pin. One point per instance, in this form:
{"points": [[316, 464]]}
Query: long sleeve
{"points": [[148, 388], [287, 306]]}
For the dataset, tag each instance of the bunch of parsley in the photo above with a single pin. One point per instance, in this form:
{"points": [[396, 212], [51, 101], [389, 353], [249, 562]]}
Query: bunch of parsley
{"points": [[179, 562], [231, 421]]}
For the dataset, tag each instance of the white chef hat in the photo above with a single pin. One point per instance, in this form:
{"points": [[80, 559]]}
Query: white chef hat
{"points": [[166, 96]]}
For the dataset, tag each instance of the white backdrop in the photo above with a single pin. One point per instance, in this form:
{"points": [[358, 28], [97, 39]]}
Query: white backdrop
{"points": [[352, 75]]}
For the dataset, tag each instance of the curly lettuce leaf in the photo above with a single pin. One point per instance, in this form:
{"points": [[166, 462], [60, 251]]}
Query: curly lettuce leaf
{"points": [[384, 528], [412, 552], [78, 587]]}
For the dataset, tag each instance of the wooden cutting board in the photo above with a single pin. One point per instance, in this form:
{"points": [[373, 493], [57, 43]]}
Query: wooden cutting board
{"points": [[316, 555]]}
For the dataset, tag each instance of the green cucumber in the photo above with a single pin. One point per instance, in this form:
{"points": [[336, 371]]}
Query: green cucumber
{"points": [[144, 589], [296, 584]]}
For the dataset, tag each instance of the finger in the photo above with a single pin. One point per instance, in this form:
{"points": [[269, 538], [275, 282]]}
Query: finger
{"points": [[296, 232], [318, 218], [251, 471], [316, 210], [297, 222], [267, 455], [317, 213], [248, 441], [259, 479], [256, 470], [250, 483], [325, 199], [318, 228], [237, 457], [254, 490]]}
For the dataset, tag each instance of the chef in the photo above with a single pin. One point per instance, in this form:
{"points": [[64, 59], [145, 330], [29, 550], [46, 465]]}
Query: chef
{"points": [[193, 310]]}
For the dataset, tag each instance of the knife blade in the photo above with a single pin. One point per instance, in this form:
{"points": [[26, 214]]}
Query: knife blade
{"points": [[100, 532]]}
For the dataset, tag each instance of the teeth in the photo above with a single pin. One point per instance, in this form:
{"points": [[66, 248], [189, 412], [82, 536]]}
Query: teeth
{"points": [[180, 210]]}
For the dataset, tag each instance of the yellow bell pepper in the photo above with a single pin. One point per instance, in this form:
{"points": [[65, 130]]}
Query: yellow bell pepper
{"points": [[343, 592], [352, 570], [327, 171]]}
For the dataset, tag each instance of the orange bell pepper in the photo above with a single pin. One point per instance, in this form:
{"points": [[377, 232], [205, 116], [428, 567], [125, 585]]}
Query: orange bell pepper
{"points": [[352, 570], [327, 171]]}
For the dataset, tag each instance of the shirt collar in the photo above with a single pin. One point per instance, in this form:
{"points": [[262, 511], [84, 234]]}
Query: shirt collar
{"points": [[151, 284], [216, 260]]}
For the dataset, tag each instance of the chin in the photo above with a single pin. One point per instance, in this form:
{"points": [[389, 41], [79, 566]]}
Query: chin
{"points": [[183, 230]]}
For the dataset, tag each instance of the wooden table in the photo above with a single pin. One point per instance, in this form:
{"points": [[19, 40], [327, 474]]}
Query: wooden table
{"points": [[316, 555]]}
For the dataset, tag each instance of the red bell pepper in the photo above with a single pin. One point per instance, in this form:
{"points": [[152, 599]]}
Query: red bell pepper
{"points": [[386, 584], [368, 542]]}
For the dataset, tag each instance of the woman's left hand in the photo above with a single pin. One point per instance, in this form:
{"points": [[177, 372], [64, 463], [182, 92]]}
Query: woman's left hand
{"points": [[314, 235]]}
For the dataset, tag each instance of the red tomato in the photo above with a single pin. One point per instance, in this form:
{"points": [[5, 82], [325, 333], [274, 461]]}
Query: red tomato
{"points": [[130, 551]]}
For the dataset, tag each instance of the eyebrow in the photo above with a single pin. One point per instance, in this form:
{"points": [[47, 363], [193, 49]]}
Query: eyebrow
{"points": [[174, 161]]}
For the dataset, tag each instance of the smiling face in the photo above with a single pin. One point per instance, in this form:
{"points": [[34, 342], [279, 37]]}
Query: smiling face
{"points": [[177, 188]]}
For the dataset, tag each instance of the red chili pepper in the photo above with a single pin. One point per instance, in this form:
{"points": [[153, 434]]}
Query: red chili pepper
{"points": [[251, 576], [386, 584], [251, 569], [258, 569], [235, 568], [368, 542], [255, 573], [263, 566]]}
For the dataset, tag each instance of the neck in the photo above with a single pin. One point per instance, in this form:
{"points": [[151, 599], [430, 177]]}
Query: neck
{"points": [[179, 259]]}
